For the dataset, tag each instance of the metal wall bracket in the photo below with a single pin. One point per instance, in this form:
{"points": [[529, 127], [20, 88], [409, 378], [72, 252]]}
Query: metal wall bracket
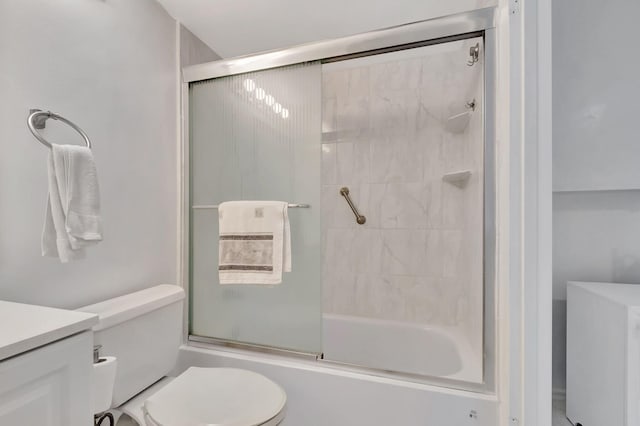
{"points": [[474, 52], [471, 105], [39, 121]]}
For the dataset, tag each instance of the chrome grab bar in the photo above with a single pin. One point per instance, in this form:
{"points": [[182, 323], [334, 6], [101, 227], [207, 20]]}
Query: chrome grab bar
{"points": [[344, 191]]}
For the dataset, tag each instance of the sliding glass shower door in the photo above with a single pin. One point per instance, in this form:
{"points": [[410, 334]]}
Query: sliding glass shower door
{"points": [[404, 131], [395, 277], [256, 136]]}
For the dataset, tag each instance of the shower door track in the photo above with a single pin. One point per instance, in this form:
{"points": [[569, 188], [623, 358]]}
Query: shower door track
{"points": [[311, 358], [234, 344]]}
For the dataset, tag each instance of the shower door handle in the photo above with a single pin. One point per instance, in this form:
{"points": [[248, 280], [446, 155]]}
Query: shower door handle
{"points": [[344, 191]]}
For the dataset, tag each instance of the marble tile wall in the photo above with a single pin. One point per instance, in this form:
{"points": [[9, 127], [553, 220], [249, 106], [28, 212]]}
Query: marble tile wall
{"points": [[419, 256]]}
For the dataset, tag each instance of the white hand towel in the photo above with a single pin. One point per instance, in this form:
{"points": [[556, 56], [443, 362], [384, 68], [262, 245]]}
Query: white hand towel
{"points": [[72, 220], [255, 242]]}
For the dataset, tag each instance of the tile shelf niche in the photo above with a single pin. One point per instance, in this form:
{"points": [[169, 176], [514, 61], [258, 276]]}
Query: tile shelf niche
{"points": [[458, 178]]}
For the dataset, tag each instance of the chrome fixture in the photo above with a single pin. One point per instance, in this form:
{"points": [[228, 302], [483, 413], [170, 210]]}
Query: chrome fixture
{"points": [[471, 105], [215, 206], [344, 191], [96, 353], [38, 119], [474, 52]]}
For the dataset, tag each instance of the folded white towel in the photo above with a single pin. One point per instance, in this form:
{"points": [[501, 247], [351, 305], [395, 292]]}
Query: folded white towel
{"points": [[255, 242], [72, 220]]}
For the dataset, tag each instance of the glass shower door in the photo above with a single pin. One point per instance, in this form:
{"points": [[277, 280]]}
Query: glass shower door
{"points": [[404, 131], [256, 136]]}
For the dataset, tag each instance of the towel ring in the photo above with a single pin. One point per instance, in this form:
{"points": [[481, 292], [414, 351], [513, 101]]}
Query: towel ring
{"points": [[37, 120]]}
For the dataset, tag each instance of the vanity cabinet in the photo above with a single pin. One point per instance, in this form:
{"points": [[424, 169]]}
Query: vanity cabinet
{"points": [[46, 366], [48, 386]]}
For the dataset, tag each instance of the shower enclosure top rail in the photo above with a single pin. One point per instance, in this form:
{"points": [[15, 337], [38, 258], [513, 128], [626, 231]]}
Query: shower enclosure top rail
{"points": [[430, 30]]}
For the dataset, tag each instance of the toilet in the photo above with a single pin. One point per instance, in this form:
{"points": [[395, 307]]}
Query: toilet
{"points": [[143, 331]]}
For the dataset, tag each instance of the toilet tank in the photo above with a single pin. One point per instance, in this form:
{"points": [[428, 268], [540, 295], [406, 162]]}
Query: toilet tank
{"points": [[143, 330]]}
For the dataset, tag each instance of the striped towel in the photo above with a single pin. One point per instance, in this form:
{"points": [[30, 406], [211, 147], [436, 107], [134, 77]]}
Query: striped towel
{"points": [[255, 242]]}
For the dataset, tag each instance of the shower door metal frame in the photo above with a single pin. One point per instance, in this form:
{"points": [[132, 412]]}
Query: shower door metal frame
{"points": [[460, 26], [401, 37]]}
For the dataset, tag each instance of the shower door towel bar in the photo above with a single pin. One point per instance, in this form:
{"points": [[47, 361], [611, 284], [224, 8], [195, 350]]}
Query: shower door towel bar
{"points": [[38, 118], [214, 206]]}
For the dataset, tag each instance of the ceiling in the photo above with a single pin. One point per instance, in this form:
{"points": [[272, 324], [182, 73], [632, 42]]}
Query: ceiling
{"points": [[240, 27]]}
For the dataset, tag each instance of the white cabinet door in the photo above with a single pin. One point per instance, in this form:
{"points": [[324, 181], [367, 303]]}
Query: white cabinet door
{"points": [[49, 386], [633, 368]]}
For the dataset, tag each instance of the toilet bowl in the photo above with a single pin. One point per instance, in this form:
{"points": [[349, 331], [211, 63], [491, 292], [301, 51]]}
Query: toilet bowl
{"points": [[143, 330], [216, 396]]}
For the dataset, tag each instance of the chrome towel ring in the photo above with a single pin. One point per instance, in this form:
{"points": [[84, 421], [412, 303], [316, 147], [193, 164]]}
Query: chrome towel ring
{"points": [[37, 120]]}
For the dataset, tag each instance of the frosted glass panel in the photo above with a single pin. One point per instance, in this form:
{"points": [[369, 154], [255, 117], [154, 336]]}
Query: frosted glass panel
{"points": [[257, 137]]}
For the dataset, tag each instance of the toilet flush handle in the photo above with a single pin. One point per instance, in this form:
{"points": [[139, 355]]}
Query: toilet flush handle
{"points": [[96, 353]]}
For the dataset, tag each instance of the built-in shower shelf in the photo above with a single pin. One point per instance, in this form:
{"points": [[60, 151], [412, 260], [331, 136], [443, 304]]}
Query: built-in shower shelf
{"points": [[457, 178]]}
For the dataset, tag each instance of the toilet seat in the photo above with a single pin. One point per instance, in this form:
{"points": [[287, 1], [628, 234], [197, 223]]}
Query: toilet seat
{"points": [[217, 396]]}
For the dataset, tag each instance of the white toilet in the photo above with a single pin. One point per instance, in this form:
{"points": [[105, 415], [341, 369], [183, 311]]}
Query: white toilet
{"points": [[143, 331]]}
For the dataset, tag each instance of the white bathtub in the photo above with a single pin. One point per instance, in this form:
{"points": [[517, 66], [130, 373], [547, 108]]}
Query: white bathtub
{"points": [[400, 347], [326, 394], [320, 395]]}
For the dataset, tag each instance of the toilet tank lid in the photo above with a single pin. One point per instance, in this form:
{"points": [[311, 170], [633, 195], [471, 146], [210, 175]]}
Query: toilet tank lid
{"points": [[123, 308]]}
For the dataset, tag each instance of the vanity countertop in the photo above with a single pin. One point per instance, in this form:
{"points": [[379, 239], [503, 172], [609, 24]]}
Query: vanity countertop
{"points": [[25, 327]]}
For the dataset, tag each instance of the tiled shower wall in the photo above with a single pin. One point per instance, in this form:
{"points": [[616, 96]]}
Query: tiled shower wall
{"points": [[419, 256]]}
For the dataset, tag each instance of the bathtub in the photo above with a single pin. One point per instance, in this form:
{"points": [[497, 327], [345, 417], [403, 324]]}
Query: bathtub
{"points": [[323, 393], [401, 347]]}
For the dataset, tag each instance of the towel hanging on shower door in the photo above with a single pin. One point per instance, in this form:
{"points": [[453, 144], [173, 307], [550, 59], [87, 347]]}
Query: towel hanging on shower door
{"points": [[254, 242]]}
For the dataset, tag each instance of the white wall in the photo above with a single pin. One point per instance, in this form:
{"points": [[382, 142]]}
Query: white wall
{"points": [[193, 50], [596, 87], [109, 66]]}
